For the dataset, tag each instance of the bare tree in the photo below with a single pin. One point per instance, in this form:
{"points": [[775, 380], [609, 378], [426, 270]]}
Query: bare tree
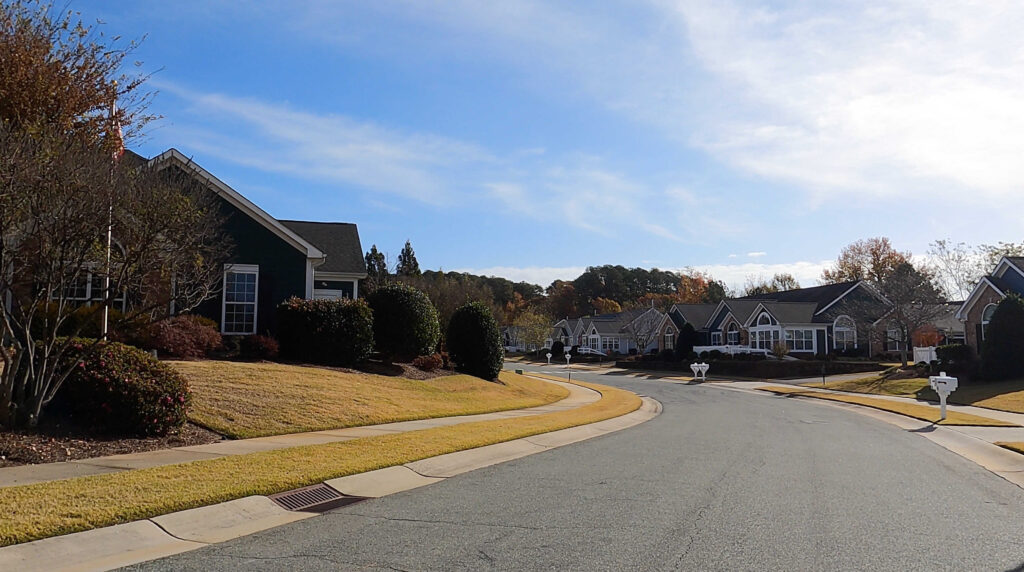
{"points": [[58, 197], [958, 267], [643, 329]]}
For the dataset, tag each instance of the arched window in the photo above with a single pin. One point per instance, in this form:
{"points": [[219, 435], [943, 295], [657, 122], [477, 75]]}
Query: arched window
{"points": [[733, 334], [765, 319], [986, 317], [670, 338], [844, 333]]}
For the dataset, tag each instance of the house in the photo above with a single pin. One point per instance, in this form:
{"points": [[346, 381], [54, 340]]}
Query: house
{"points": [[620, 332], [809, 321], [272, 260], [976, 311]]}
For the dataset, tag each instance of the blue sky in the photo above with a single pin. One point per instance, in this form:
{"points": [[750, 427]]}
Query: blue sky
{"points": [[532, 139]]}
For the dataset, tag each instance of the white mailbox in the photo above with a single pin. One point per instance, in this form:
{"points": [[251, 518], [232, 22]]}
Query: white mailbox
{"points": [[549, 358], [943, 385], [700, 370]]}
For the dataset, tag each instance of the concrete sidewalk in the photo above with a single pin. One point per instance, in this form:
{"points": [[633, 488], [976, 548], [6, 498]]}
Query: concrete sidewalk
{"points": [[28, 474], [125, 544]]}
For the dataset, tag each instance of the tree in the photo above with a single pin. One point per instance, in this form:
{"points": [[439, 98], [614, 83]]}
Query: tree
{"points": [[643, 329], [1004, 340], [912, 303], [533, 329], [873, 259], [407, 264], [781, 282], [59, 192], [958, 267], [562, 300], [605, 306], [376, 270], [474, 341], [449, 291]]}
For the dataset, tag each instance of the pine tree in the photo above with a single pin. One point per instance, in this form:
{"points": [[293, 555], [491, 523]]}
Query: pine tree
{"points": [[407, 264], [376, 270]]}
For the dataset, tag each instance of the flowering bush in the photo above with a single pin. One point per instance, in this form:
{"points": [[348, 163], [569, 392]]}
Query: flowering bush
{"points": [[428, 363], [184, 336], [121, 389], [258, 347], [332, 332]]}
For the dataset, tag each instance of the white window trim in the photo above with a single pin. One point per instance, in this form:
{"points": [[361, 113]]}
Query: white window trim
{"points": [[836, 328], [792, 339], [239, 268], [984, 322], [716, 338], [734, 328]]}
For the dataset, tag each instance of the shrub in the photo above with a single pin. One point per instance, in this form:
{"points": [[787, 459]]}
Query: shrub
{"points": [[404, 322], [474, 341], [258, 347], [1004, 340], [557, 350], [121, 389], [954, 356], [428, 363], [330, 332], [184, 336], [714, 354], [667, 355]]}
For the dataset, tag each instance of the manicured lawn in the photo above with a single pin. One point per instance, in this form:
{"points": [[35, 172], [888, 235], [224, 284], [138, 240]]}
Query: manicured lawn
{"points": [[60, 507], [244, 400], [922, 412], [1001, 395]]}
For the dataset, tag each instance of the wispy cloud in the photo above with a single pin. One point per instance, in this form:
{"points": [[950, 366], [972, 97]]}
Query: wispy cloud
{"points": [[756, 254], [806, 273]]}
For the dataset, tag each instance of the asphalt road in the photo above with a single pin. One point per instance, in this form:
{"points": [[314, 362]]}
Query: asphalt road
{"points": [[721, 480]]}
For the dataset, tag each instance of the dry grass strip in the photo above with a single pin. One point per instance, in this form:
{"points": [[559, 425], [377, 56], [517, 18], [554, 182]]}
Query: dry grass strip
{"points": [[245, 400], [1014, 446], [917, 411], [42, 510]]}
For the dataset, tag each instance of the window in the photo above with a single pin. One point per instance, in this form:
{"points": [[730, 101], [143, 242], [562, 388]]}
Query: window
{"points": [[732, 337], [764, 339], [88, 288], [986, 317], [800, 340], [765, 320], [240, 289], [716, 338], [844, 334], [670, 339], [610, 344], [893, 341]]}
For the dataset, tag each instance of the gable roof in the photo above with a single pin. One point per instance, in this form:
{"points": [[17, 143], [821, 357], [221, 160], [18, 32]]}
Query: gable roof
{"points": [[235, 199], [697, 315], [824, 295], [786, 312], [1000, 285], [339, 241]]}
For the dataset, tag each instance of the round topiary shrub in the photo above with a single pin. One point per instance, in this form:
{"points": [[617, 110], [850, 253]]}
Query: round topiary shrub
{"points": [[404, 322], [329, 332], [474, 341], [120, 389], [557, 350]]}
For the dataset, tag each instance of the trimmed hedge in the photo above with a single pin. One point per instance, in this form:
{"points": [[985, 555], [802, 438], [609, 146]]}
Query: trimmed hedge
{"points": [[184, 336], [474, 341], [765, 369], [328, 332], [1004, 341], [405, 323], [121, 389]]}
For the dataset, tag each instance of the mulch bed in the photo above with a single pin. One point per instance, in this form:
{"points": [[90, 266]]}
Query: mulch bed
{"points": [[55, 443]]}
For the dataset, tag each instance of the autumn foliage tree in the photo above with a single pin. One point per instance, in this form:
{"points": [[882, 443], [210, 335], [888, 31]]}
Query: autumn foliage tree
{"points": [[60, 188], [781, 282], [873, 259]]}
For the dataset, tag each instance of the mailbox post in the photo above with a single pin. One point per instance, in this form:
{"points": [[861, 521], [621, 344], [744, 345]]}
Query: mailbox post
{"points": [[943, 385], [568, 368], [549, 358], [701, 370]]}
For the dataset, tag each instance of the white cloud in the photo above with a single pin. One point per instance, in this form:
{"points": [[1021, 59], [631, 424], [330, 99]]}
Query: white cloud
{"points": [[542, 275], [806, 273], [756, 254]]}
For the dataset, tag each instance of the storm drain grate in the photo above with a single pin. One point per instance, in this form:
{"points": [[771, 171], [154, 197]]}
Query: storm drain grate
{"points": [[316, 498]]}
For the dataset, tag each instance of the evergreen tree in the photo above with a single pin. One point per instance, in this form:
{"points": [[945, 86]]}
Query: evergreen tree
{"points": [[407, 264], [376, 270], [1004, 341]]}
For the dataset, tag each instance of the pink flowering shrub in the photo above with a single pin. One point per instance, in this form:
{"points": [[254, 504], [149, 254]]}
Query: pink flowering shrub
{"points": [[184, 336], [121, 389]]}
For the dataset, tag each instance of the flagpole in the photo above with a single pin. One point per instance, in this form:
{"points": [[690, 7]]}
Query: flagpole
{"points": [[107, 300]]}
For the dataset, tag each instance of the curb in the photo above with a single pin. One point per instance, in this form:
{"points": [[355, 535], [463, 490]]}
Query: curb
{"points": [[140, 541]]}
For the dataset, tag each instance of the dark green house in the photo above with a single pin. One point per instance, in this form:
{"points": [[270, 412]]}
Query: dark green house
{"points": [[272, 260]]}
